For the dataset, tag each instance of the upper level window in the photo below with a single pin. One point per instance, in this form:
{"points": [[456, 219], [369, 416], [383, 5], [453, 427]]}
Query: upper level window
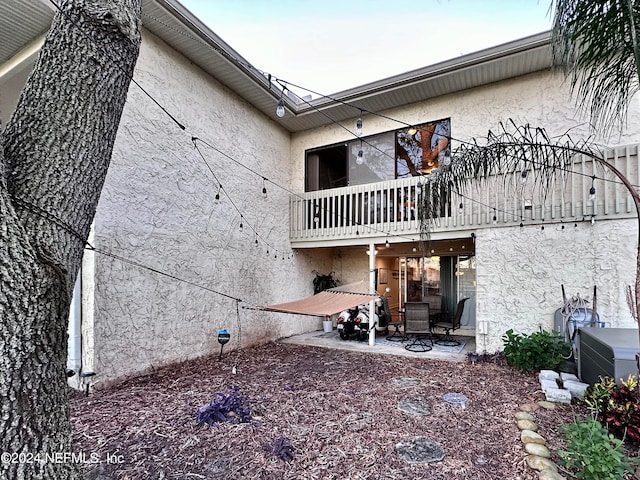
{"points": [[386, 156]]}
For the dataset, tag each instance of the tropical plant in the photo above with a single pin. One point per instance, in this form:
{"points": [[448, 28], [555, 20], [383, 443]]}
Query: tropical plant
{"points": [[617, 407], [322, 281], [595, 44], [538, 351], [592, 452]]}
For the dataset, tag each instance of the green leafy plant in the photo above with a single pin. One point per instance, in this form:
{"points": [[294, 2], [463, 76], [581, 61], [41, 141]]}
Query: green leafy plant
{"points": [[538, 351], [322, 282], [593, 452], [616, 406]]}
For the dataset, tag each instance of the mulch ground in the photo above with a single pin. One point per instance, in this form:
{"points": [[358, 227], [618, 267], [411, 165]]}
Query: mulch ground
{"points": [[317, 414]]}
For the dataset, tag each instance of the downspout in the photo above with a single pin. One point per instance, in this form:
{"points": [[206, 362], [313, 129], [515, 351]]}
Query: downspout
{"points": [[74, 346]]}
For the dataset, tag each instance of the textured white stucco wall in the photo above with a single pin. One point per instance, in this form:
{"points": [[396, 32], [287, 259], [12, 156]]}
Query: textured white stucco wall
{"points": [[539, 99], [520, 271], [157, 209]]}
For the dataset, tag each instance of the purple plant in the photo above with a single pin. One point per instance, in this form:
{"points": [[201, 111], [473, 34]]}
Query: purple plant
{"points": [[230, 406], [281, 448]]}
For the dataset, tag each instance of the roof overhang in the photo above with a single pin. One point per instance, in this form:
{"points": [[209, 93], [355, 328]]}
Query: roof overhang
{"points": [[23, 22]]}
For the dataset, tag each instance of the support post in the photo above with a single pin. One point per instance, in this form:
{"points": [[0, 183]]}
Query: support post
{"points": [[372, 289]]}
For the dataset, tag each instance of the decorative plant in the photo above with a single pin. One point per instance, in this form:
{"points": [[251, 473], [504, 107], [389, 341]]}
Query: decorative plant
{"points": [[617, 407], [538, 351], [230, 406], [281, 448], [593, 452], [323, 282]]}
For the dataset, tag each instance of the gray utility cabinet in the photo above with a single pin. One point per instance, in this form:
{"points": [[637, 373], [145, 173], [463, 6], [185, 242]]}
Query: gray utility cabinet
{"points": [[607, 352]]}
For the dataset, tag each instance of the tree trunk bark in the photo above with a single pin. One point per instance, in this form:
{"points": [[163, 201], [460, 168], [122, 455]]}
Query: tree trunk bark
{"points": [[54, 156]]}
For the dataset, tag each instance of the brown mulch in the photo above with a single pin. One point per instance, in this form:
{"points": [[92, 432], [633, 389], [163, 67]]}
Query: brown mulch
{"points": [[337, 409]]}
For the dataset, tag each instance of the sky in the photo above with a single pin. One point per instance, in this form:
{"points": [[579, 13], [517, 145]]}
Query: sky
{"points": [[327, 46]]}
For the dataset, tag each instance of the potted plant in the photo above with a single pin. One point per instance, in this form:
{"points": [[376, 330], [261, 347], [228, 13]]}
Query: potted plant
{"points": [[322, 282]]}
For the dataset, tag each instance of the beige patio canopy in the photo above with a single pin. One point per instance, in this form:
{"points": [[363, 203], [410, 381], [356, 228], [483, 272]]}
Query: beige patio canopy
{"points": [[325, 303]]}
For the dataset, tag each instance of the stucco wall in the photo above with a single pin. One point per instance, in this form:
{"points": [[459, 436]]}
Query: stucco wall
{"points": [[540, 99], [521, 271], [158, 209]]}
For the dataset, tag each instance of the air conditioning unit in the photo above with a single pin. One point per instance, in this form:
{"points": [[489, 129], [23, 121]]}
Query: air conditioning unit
{"points": [[607, 352]]}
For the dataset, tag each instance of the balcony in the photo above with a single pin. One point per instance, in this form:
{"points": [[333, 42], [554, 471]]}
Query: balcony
{"points": [[377, 212]]}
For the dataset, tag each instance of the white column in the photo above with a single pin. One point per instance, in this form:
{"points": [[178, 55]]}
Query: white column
{"points": [[372, 289]]}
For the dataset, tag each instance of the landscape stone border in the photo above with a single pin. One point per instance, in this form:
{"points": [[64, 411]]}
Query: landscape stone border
{"points": [[558, 388], [538, 454]]}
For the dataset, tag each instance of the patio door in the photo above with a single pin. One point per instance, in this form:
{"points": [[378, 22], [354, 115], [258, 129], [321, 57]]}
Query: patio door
{"points": [[441, 282]]}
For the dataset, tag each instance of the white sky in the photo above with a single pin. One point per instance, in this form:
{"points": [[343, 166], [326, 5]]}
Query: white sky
{"points": [[328, 46]]}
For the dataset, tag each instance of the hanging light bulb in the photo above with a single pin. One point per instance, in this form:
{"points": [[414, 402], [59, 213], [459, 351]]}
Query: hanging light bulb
{"points": [[593, 219], [241, 222], [461, 207], [264, 188], [386, 244], [280, 108], [360, 157], [592, 190], [359, 126], [495, 217], [523, 178]]}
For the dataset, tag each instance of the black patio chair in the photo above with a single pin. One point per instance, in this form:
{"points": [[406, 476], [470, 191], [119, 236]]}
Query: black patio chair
{"points": [[450, 324], [418, 326]]}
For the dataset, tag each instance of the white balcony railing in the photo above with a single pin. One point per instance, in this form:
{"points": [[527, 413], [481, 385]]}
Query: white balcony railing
{"points": [[363, 213]]}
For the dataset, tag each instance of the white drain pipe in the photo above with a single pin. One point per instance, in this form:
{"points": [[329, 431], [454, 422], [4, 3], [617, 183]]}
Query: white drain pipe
{"points": [[74, 347]]}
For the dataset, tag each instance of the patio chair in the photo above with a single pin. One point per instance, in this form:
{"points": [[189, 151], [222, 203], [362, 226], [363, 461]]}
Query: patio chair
{"points": [[397, 335], [450, 324], [417, 325]]}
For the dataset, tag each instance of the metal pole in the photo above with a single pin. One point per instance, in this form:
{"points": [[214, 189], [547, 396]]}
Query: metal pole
{"points": [[372, 289]]}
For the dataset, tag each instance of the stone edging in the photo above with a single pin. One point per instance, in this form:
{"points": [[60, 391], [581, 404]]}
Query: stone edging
{"points": [[538, 455]]}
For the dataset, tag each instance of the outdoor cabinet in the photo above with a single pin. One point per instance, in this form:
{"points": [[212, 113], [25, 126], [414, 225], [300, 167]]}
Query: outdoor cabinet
{"points": [[607, 352]]}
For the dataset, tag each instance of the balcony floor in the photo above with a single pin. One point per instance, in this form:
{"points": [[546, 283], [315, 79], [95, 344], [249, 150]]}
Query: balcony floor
{"points": [[319, 338]]}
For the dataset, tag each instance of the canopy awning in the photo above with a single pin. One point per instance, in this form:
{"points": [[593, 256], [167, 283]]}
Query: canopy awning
{"points": [[324, 303]]}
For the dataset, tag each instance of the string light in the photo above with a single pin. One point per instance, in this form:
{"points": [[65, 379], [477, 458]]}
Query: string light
{"points": [[461, 207], [495, 217], [359, 125], [280, 108], [592, 190], [264, 188], [241, 218], [523, 177], [360, 158], [387, 245]]}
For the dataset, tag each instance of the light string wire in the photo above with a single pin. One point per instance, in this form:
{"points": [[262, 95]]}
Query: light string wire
{"points": [[284, 86], [164, 110], [43, 213]]}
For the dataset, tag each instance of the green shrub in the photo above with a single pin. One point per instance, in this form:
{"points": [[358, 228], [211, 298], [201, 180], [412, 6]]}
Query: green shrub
{"points": [[593, 452], [616, 406], [538, 351]]}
